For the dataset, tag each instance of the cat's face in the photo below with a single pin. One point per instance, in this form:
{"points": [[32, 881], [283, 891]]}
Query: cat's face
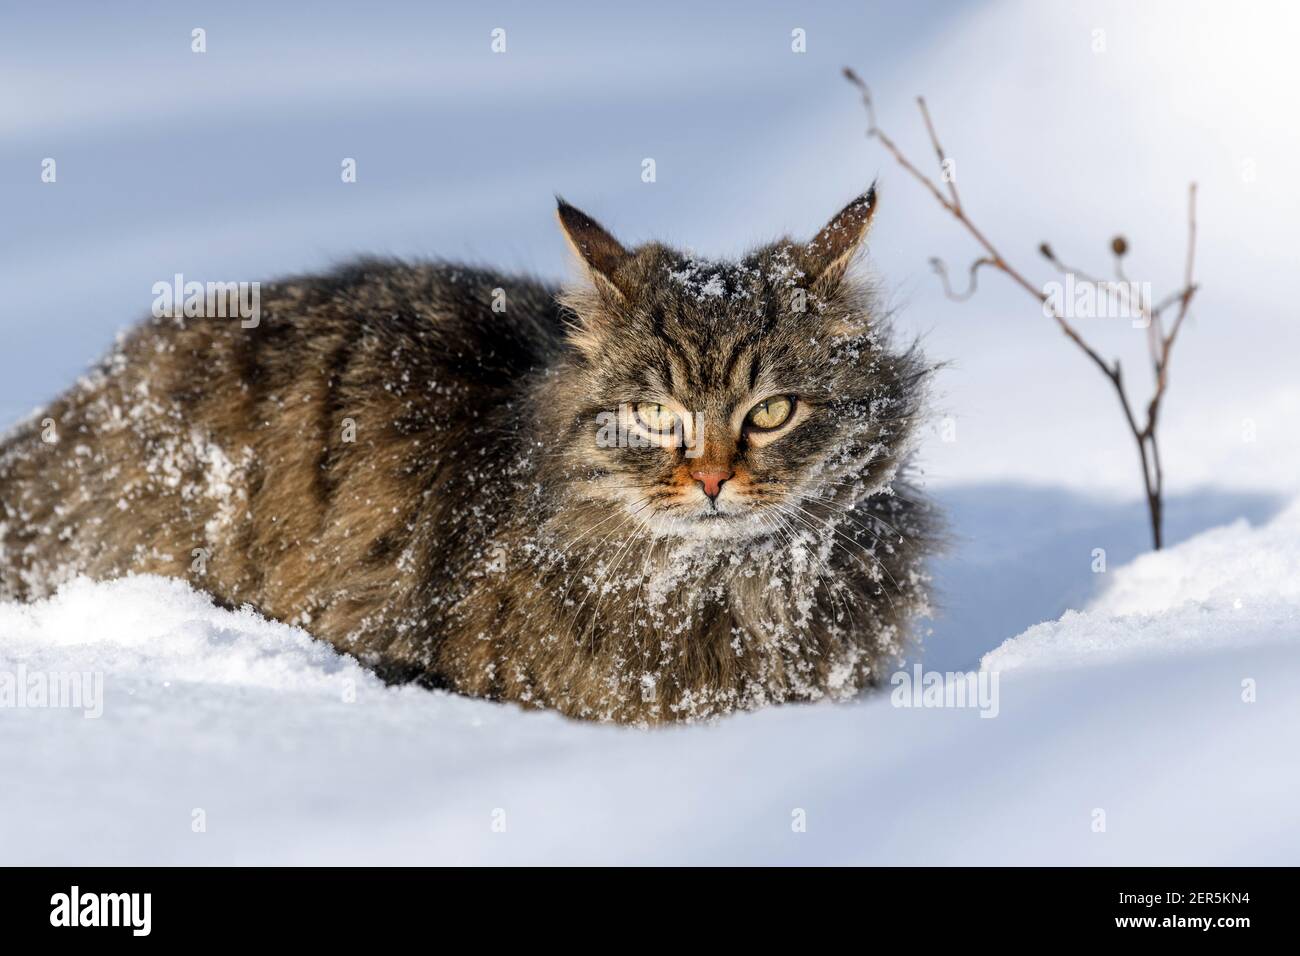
{"points": [[730, 400]]}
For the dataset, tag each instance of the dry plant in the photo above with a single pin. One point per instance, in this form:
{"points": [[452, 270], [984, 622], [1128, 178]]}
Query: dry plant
{"points": [[1152, 315]]}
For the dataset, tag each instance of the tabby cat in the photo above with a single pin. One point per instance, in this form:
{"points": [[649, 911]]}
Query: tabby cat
{"points": [[672, 490]]}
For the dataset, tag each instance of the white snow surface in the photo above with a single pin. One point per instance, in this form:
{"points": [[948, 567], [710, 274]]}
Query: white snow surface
{"points": [[290, 753], [1224, 590]]}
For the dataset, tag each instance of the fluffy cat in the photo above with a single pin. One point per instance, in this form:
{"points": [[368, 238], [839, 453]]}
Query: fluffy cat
{"points": [[672, 490]]}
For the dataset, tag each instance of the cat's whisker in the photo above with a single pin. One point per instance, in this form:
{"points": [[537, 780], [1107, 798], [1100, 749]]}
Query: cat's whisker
{"points": [[573, 577], [821, 565], [639, 525], [870, 514], [851, 516], [836, 514], [858, 544], [640, 592], [615, 512], [612, 575]]}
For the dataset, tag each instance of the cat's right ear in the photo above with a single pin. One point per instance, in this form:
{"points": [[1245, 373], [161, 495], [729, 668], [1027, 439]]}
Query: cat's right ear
{"points": [[600, 253], [827, 257]]}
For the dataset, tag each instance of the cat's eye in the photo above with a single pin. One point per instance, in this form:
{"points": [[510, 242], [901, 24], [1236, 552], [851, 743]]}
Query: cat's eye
{"points": [[655, 417], [771, 413]]}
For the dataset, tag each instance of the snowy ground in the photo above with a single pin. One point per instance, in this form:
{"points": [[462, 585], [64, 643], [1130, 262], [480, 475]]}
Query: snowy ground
{"points": [[1171, 705]]}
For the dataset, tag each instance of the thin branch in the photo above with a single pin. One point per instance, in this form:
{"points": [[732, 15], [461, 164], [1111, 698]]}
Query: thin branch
{"points": [[1189, 287], [972, 282], [1160, 345], [1117, 292], [874, 130], [993, 254], [938, 152], [1184, 303], [1173, 298]]}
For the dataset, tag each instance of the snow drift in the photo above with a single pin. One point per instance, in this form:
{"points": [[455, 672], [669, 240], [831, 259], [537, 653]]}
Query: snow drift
{"points": [[1159, 725]]}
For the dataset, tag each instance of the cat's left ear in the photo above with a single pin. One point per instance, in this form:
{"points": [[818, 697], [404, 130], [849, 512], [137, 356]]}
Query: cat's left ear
{"points": [[826, 258], [600, 252]]}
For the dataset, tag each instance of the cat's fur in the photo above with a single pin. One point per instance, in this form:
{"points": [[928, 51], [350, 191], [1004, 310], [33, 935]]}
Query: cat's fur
{"points": [[477, 533]]}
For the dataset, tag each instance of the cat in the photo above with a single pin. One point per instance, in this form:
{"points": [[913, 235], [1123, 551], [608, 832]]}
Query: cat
{"points": [[674, 489]]}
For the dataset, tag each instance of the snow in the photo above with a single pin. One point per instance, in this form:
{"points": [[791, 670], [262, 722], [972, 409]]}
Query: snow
{"points": [[1225, 589], [287, 752], [145, 628]]}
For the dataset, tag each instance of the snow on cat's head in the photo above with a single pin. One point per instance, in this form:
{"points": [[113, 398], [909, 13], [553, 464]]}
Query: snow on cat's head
{"points": [[731, 399]]}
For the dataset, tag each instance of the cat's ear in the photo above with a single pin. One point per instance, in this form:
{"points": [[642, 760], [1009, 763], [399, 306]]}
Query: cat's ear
{"points": [[600, 252], [826, 258]]}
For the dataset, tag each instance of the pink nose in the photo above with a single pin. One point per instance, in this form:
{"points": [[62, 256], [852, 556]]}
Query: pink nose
{"points": [[711, 480]]}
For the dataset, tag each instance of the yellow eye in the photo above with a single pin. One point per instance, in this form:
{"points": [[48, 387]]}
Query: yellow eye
{"points": [[771, 413], [655, 417]]}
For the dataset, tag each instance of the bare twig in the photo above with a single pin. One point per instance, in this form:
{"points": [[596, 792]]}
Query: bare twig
{"points": [[1160, 344], [942, 271], [948, 177]]}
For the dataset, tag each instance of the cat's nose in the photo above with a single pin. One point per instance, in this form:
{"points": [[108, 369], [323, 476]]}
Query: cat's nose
{"points": [[711, 481]]}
